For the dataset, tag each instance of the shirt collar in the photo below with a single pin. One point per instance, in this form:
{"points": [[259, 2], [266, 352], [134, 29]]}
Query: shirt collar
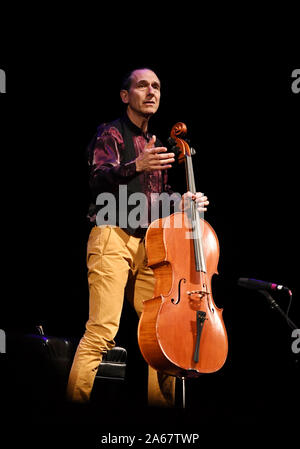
{"points": [[135, 129]]}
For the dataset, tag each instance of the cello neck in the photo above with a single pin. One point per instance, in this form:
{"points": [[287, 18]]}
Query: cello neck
{"points": [[195, 218]]}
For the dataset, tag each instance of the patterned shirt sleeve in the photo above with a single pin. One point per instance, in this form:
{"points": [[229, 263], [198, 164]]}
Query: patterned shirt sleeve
{"points": [[107, 169]]}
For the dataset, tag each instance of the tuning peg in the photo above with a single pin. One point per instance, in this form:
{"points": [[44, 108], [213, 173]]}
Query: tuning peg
{"points": [[176, 150], [171, 141]]}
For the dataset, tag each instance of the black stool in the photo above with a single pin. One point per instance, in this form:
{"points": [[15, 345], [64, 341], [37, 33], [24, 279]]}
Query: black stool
{"points": [[113, 365], [108, 385], [44, 363]]}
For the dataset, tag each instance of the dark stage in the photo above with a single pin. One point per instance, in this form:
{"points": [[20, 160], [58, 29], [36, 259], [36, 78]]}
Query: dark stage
{"points": [[243, 119]]}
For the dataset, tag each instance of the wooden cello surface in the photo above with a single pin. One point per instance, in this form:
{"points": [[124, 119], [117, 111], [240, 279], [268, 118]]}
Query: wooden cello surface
{"points": [[181, 331]]}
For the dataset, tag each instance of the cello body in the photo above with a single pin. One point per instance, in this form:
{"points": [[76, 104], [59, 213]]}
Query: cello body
{"points": [[167, 331]]}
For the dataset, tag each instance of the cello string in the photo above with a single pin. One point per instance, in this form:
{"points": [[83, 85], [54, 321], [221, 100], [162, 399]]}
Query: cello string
{"points": [[199, 254]]}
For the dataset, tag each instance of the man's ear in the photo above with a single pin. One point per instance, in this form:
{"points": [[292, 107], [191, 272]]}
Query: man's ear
{"points": [[124, 96]]}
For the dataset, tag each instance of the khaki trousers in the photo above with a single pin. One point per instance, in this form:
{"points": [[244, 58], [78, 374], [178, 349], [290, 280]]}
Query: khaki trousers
{"points": [[116, 264]]}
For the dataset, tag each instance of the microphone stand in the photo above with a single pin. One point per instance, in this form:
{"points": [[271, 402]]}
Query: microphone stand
{"points": [[275, 306]]}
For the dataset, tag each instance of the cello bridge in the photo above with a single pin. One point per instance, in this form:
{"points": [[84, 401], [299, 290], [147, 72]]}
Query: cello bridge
{"points": [[198, 293]]}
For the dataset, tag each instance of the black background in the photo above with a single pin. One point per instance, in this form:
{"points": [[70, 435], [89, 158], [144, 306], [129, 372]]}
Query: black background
{"points": [[233, 90]]}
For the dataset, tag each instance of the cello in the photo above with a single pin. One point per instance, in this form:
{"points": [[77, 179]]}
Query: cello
{"points": [[181, 331]]}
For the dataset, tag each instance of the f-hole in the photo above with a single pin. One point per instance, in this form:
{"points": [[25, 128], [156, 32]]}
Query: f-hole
{"points": [[176, 301]]}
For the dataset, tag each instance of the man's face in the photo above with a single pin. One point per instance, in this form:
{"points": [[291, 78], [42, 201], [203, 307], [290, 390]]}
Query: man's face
{"points": [[144, 93]]}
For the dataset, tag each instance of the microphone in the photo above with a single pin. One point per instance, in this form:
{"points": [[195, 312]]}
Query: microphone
{"points": [[255, 284]]}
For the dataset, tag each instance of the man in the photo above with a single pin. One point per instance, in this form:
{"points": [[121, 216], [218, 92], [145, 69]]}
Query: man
{"points": [[123, 153]]}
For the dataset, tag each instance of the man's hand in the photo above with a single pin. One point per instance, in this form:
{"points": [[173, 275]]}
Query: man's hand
{"points": [[198, 197], [154, 158]]}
